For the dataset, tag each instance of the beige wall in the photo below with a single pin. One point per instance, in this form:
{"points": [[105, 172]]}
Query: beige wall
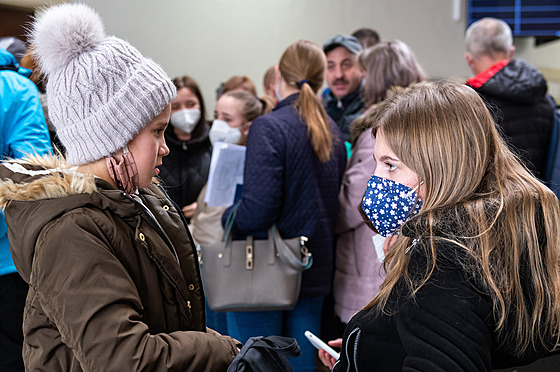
{"points": [[212, 40]]}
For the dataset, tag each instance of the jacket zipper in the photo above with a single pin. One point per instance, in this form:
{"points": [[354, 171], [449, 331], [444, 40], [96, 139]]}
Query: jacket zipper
{"points": [[194, 252], [159, 230], [155, 224]]}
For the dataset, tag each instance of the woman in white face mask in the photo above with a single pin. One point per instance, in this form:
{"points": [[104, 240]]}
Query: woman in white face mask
{"points": [[232, 117], [185, 170], [234, 113]]}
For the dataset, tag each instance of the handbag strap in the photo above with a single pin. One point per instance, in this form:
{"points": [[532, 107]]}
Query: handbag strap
{"points": [[229, 222], [287, 255]]}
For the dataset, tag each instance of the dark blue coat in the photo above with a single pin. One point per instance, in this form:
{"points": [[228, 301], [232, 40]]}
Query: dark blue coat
{"points": [[285, 183]]}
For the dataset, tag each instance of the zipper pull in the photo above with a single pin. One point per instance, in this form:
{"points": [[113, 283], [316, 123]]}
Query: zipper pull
{"points": [[190, 315]]}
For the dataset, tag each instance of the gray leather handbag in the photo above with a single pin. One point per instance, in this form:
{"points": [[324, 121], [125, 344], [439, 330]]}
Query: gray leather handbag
{"points": [[253, 275]]}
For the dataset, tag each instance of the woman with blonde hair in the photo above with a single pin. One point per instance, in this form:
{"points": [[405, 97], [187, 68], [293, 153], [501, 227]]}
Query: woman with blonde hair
{"points": [[233, 116], [293, 169], [473, 275]]}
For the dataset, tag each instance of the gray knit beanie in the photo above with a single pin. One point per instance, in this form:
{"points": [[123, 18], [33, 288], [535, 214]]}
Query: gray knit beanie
{"points": [[101, 90]]}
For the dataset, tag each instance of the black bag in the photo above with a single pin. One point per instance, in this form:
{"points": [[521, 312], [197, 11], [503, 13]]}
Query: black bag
{"points": [[266, 354]]}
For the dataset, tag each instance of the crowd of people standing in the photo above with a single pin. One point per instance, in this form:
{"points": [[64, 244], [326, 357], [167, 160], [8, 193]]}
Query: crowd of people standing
{"points": [[423, 258]]}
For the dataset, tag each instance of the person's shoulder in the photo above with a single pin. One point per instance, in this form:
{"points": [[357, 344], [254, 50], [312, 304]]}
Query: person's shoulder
{"points": [[449, 254], [277, 121], [520, 64], [518, 74], [74, 224], [267, 119], [16, 83], [366, 140]]}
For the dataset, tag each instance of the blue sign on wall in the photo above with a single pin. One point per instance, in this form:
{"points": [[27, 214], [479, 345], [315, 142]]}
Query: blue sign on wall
{"points": [[525, 17]]}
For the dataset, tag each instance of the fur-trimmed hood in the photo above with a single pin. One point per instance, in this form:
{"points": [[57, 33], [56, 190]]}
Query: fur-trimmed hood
{"points": [[114, 282], [36, 190]]}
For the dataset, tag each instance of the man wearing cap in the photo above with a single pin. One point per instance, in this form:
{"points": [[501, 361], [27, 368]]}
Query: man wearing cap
{"points": [[344, 101]]}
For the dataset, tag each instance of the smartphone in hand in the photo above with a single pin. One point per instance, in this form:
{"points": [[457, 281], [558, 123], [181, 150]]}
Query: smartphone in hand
{"points": [[319, 344]]}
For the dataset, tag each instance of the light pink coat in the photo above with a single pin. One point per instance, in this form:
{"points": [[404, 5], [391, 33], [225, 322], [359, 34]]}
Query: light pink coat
{"points": [[359, 272]]}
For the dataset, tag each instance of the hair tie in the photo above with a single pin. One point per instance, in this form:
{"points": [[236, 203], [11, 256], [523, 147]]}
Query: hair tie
{"points": [[301, 82]]}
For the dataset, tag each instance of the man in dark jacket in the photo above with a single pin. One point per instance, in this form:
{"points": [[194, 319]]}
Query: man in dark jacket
{"points": [[343, 102], [515, 92]]}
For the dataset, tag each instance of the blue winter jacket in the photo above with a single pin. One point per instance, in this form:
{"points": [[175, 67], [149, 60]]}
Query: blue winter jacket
{"points": [[286, 184], [23, 129]]}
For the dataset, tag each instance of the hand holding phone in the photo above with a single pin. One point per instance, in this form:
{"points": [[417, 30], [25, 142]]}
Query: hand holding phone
{"points": [[319, 344]]}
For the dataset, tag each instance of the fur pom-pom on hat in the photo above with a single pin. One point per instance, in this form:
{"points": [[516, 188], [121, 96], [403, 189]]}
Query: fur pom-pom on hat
{"points": [[63, 32], [101, 90]]}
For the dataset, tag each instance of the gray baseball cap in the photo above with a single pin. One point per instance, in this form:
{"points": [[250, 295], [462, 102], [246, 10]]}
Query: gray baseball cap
{"points": [[347, 41]]}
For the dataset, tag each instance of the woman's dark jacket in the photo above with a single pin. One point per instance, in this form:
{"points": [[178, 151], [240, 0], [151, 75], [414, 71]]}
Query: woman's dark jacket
{"points": [[448, 325]]}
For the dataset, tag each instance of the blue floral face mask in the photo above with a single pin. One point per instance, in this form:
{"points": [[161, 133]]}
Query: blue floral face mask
{"points": [[389, 204]]}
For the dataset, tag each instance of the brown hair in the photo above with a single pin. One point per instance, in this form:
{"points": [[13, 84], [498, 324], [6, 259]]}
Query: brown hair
{"points": [[367, 37], [189, 83], [509, 221], [251, 107], [387, 65], [239, 83], [28, 61], [268, 77], [302, 66]]}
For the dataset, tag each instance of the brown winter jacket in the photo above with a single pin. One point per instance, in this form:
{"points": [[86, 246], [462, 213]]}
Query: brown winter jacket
{"points": [[110, 289]]}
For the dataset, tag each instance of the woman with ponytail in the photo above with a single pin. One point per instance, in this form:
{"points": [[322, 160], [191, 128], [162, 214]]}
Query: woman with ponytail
{"points": [[293, 170], [233, 116]]}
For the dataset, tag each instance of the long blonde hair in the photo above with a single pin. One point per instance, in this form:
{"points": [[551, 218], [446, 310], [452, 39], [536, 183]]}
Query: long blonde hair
{"points": [[509, 221], [302, 66]]}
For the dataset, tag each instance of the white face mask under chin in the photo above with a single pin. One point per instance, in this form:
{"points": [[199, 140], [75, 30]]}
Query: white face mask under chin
{"points": [[222, 132], [185, 119]]}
